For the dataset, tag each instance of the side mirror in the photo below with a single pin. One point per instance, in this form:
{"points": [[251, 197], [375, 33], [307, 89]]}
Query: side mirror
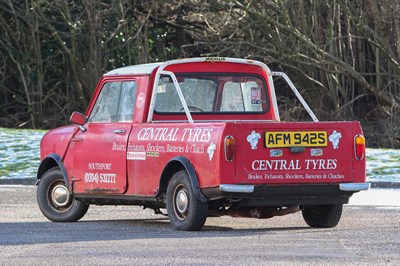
{"points": [[79, 119]]}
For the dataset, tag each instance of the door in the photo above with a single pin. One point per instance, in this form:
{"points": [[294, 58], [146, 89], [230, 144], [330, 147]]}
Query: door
{"points": [[99, 152]]}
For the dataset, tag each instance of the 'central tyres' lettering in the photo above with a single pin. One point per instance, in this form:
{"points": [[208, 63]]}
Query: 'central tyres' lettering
{"points": [[261, 165], [171, 134], [309, 164], [158, 134]]}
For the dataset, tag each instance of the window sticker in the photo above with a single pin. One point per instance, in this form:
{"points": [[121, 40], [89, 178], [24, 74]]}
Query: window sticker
{"points": [[162, 88], [255, 95]]}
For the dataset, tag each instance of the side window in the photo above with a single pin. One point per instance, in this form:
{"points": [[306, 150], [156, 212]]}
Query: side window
{"points": [[115, 103]]}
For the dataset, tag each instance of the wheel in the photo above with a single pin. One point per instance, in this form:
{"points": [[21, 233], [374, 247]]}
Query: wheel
{"points": [[185, 212], [55, 201], [323, 216]]}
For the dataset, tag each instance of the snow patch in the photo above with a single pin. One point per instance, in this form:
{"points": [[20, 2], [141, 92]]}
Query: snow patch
{"points": [[19, 157]]}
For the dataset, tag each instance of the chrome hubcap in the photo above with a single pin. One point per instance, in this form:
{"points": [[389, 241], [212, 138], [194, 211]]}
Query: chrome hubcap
{"points": [[182, 201], [60, 196]]}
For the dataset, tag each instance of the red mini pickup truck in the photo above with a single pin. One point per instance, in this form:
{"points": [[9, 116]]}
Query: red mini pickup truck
{"points": [[200, 137]]}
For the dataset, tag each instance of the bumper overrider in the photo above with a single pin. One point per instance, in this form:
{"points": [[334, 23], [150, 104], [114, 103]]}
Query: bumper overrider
{"points": [[285, 195]]}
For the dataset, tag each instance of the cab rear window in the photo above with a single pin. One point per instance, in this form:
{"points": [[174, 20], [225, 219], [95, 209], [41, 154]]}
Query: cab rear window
{"points": [[215, 94]]}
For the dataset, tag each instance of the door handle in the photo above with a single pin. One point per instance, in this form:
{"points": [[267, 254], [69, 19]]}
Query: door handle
{"points": [[119, 131]]}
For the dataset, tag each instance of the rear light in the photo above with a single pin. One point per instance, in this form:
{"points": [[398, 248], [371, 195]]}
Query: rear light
{"points": [[359, 147], [230, 148]]}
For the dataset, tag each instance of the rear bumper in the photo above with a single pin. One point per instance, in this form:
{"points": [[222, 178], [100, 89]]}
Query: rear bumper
{"points": [[285, 195], [355, 187]]}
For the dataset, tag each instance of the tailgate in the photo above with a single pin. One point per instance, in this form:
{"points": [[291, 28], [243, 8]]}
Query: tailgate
{"points": [[290, 153]]}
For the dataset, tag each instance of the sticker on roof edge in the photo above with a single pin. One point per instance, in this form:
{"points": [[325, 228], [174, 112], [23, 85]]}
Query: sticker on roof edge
{"points": [[213, 59]]}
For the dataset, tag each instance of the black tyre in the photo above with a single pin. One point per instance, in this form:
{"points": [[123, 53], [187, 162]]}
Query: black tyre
{"points": [[323, 216], [185, 212], [55, 201]]}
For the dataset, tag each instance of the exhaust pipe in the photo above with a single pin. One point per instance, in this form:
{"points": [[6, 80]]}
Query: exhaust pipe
{"points": [[263, 212]]}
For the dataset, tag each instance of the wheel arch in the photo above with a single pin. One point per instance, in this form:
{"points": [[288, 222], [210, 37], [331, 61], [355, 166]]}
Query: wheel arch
{"points": [[174, 165], [52, 160]]}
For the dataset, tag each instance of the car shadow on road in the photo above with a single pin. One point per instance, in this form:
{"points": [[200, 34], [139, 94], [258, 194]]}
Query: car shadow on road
{"points": [[105, 230]]}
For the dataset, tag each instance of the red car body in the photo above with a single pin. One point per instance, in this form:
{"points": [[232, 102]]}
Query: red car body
{"points": [[231, 156]]}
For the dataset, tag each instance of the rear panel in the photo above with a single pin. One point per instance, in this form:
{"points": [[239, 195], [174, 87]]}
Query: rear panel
{"points": [[290, 153]]}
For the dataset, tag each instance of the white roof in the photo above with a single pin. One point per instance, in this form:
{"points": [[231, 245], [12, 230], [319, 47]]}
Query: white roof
{"points": [[137, 69], [148, 68]]}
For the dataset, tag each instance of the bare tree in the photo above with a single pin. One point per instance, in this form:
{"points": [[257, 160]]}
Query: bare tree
{"points": [[343, 54]]}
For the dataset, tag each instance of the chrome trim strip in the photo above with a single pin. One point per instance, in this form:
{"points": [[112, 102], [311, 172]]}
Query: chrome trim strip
{"points": [[236, 188], [354, 186]]}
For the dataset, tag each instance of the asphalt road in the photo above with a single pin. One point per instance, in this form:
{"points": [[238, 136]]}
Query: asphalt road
{"points": [[126, 235]]}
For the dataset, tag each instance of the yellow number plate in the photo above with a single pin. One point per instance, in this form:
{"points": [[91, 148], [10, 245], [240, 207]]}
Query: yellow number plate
{"points": [[296, 139]]}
